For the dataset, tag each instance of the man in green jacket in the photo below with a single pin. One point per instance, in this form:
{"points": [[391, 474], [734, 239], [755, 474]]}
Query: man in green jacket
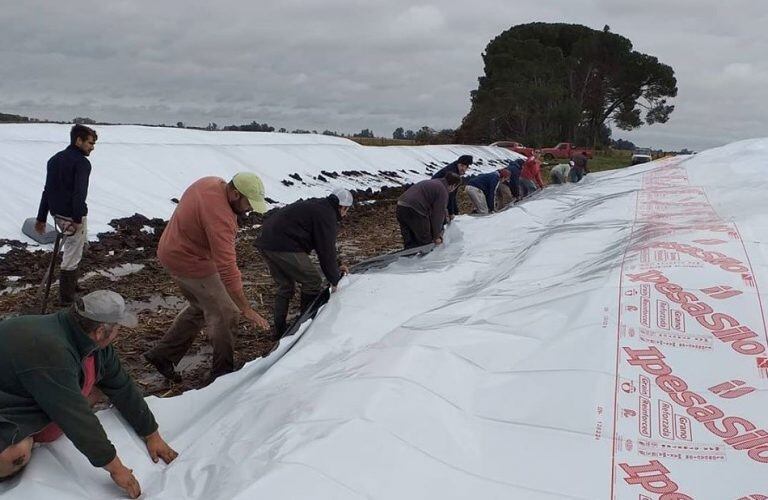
{"points": [[48, 367]]}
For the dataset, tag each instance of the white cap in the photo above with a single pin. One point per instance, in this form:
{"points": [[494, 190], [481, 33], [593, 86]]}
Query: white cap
{"points": [[104, 306], [344, 196]]}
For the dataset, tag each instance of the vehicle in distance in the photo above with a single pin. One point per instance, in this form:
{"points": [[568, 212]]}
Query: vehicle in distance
{"points": [[641, 155], [564, 150], [515, 146]]}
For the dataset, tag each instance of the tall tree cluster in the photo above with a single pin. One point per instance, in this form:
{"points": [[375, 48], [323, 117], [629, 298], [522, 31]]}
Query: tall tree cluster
{"points": [[545, 83]]}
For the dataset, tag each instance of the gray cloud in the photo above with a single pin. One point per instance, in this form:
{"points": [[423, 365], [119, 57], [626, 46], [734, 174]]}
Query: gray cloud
{"points": [[351, 64]]}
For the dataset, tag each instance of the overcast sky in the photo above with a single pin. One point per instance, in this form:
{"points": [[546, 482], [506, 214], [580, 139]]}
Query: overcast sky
{"points": [[346, 65]]}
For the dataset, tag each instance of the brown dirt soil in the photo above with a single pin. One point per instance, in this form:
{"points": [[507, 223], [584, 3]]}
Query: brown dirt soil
{"points": [[370, 229]]}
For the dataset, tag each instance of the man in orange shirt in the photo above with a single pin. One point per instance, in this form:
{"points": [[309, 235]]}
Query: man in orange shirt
{"points": [[198, 250]]}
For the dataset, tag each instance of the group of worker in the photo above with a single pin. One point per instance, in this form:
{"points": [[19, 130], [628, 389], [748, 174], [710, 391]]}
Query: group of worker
{"points": [[50, 365], [424, 209]]}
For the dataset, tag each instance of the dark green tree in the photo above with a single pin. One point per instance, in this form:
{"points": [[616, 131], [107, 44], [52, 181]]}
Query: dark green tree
{"points": [[399, 133], [364, 133], [545, 83]]}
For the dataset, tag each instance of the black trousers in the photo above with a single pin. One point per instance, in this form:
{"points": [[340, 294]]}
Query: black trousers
{"points": [[414, 227], [287, 269]]}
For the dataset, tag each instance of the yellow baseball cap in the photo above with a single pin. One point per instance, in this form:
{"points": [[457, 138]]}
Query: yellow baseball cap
{"points": [[250, 186]]}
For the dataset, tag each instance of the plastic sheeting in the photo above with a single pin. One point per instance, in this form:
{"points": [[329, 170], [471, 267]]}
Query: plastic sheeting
{"points": [[602, 340], [140, 169]]}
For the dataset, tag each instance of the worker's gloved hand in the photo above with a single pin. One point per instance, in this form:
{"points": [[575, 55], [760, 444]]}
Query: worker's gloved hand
{"points": [[344, 270], [40, 227], [438, 240], [124, 478], [256, 319], [158, 448]]}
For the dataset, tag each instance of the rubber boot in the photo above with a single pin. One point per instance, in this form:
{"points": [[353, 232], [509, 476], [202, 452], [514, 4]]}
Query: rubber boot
{"points": [[67, 284], [281, 313], [78, 289]]}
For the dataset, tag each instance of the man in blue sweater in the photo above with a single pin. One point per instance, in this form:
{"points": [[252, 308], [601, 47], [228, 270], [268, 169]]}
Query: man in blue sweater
{"points": [[64, 194], [481, 189]]}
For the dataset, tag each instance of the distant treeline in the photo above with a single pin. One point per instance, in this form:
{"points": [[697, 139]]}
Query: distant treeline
{"points": [[424, 135]]}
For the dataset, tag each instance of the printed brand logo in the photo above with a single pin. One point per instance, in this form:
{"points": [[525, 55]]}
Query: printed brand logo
{"points": [[719, 259], [721, 292], [726, 328], [735, 431], [734, 388], [653, 478]]}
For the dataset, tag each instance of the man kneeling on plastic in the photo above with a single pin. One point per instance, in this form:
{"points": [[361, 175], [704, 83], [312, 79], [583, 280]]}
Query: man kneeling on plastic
{"points": [[48, 367]]}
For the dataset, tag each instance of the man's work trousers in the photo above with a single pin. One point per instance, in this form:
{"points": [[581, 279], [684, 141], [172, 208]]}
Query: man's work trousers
{"points": [[287, 269], [414, 227], [211, 308], [477, 197], [72, 247]]}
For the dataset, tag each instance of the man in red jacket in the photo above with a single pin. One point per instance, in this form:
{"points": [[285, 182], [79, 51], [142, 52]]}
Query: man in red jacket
{"points": [[198, 250]]}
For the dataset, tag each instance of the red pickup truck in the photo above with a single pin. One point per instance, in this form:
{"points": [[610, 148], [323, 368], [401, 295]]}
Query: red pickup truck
{"points": [[564, 150], [515, 146]]}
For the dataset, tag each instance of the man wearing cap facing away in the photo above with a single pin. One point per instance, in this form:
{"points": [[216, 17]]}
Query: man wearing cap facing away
{"points": [[458, 167], [287, 238], [48, 367], [198, 250]]}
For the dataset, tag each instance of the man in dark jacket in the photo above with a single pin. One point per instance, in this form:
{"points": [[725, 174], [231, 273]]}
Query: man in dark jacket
{"points": [[421, 210], [48, 367], [481, 190], [287, 238], [579, 169], [458, 167], [64, 194]]}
